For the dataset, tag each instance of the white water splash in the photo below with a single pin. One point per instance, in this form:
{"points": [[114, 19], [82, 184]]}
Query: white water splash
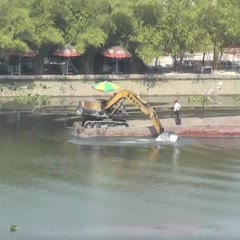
{"points": [[167, 137]]}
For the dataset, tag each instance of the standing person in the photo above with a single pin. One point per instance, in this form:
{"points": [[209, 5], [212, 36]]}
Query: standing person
{"points": [[176, 110]]}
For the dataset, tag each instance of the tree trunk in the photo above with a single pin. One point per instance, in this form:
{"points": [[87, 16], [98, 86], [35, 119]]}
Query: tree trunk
{"points": [[220, 57], [38, 65], [203, 59], [88, 61], [215, 56], [181, 62], [156, 62], [135, 66], [84, 64], [174, 63]]}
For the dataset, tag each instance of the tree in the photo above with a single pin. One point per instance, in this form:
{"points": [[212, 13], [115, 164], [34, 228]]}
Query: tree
{"points": [[147, 37], [220, 21], [14, 27], [180, 29], [84, 23], [45, 34]]}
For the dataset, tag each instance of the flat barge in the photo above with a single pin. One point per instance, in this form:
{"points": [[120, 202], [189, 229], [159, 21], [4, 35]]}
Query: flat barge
{"points": [[184, 131]]}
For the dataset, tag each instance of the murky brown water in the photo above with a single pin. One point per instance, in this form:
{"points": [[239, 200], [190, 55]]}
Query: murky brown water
{"points": [[53, 186]]}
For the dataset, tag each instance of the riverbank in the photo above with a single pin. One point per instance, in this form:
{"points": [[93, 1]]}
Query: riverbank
{"points": [[171, 84], [191, 121]]}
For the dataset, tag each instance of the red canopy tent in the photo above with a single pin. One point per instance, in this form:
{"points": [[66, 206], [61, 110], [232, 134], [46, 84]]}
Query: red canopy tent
{"points": [[232, 50], [118, 53], [29, 54], [67, 53]]}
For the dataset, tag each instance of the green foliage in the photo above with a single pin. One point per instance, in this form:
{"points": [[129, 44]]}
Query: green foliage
{"points": [[219, 20], [148, 41], [84, 22], [122, 19], [32, 99], [180, 27], [148, 28], [13, 26], [13, 228], [236, 98], [44, 30], [207, 97], [204, 100], [91, 37]]}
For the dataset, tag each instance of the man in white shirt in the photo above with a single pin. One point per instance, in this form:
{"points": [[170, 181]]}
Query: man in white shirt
{"points": [[176, 110]]}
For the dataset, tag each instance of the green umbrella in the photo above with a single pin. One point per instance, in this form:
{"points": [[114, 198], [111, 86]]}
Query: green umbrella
{"points": [[105, 86]]}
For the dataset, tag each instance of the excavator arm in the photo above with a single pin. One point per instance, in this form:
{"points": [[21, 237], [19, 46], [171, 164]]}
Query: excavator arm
{"points": [[140, 103]]}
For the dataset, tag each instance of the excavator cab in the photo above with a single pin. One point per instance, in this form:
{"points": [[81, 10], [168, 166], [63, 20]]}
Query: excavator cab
{"points": [[91, 108]]}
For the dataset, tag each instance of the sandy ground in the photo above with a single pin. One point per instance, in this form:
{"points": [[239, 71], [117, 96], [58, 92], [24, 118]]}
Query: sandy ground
{"points": [[231, 120]]}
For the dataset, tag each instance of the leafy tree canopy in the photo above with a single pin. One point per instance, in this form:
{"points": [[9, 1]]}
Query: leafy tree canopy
{"points": [[148, 28]]}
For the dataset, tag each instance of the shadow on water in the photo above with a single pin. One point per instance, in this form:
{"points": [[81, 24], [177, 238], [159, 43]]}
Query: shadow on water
{"points": [[13, 123]]}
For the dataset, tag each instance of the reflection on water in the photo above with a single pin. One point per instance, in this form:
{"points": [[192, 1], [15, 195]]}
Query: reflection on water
{"points": [[54, 186]]}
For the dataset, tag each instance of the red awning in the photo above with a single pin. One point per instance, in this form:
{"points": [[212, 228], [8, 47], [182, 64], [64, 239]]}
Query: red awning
{"points": [[30, 53]]}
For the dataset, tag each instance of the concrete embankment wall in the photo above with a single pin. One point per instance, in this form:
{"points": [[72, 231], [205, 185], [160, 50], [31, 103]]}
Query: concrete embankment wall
{"points": [[81, 85]]}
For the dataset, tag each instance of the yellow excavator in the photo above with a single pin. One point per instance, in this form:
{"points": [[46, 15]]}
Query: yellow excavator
{"points": [[101, 113]]}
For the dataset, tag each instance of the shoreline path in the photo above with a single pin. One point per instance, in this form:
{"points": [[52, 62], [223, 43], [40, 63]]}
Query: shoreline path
{"points": [[192, 121]]}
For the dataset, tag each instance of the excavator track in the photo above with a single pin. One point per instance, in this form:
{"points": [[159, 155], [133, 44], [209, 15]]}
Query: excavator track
{"points": [[105, 124]]}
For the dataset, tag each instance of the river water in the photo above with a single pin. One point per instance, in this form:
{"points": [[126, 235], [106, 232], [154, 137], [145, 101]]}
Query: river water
{"points": [[56, 187]]}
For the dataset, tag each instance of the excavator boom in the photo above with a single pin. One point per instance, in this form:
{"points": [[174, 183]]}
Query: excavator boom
{"points": [[140, 103]]}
